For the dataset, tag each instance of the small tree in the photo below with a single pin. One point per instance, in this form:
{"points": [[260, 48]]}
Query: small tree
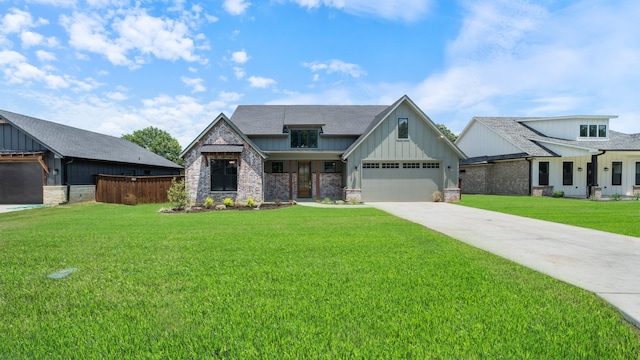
{"points": [[178, 195]]}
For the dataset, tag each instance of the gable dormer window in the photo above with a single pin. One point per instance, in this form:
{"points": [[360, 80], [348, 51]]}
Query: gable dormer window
{"points": [[304, 138], [593, 131], [403, 128]]}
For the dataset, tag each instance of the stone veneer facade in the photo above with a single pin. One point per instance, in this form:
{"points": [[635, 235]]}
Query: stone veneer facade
{"points": [[499, 178], [198, 171], [277, 186], [54, 195]]}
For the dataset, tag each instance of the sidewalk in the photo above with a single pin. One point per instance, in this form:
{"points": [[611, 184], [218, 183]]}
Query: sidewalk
{"points": [[603, 263]]}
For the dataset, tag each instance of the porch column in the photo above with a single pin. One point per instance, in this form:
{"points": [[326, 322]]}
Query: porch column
{"points": [[290, 180], [317, 180]]}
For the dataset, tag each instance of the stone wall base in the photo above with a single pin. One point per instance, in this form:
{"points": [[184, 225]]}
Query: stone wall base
{"points": [[352, 194], [542, 190], [82, 193], [636, 190], [452, 195], [54, 195], [596, 192]]}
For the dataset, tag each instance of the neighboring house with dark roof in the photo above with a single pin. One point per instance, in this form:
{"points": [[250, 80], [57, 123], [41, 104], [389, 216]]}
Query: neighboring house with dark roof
{"points": [[50, 163], [579, 155], [294, 152]]}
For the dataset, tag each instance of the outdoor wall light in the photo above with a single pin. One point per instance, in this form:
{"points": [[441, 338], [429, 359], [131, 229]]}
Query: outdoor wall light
{"points": [[579, 169], [606, 169]]}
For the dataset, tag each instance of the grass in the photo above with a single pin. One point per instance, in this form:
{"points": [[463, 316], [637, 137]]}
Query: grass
{"points": [[288, 284], [621, 217]]}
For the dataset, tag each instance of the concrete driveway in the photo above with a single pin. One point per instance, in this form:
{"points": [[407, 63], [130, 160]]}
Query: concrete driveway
{"points": [[9, 208], [603, 263]]}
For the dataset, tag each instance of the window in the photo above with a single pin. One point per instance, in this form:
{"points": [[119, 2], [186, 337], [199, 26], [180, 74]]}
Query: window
{"points": [[638, 173], [403, 128], [224, 175], [370, 166], [277, 167], [147, 172], [567, 173], [431, 165], [304, 138], [543, 173], [583, 131], [411, 165], [390, 165], [330, 167], [593, 131], [602, 130], [131, 173], [616, 173]]}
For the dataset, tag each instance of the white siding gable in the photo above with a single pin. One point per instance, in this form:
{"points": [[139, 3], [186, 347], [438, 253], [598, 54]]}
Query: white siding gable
{"points": [[479, 140], [567, 128]]}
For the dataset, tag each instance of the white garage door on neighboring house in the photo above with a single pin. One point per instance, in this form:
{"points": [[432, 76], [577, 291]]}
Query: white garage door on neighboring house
{"points": [[400, 181], [20, 183]]}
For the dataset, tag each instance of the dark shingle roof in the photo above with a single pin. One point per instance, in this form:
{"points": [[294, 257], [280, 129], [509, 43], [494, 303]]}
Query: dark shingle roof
{"points": [[335, 119], [532, 142], [72, 142]]}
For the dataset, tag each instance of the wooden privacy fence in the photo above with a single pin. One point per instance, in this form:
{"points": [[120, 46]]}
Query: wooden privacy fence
{"points": [[131, 190]]}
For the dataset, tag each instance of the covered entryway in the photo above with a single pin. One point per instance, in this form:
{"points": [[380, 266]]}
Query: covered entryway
{"points": [[400, 181], [21, 182]]}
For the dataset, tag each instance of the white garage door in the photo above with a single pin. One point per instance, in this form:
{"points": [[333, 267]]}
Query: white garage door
{"points": [[400, 181]]}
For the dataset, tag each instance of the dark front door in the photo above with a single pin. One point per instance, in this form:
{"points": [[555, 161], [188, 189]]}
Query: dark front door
{"points": [[304, 179], [590, 180]]}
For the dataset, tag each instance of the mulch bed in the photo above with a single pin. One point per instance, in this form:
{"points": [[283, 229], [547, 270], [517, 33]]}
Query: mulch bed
{"points": [[199, 209]]}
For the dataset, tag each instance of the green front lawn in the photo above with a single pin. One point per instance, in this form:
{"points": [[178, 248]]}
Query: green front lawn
{"points": [[279, 284], [621, 217]]}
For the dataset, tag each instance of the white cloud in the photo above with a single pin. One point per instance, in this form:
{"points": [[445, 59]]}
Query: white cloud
{"points": [[58, 3], [236, 7], [16, 21], [196, 84], [335, 65], [45, 56], [30, 38], [229, 96], [116, 96], [404, 10], [136, 32], [240, 57], [239, 72], [260, 82]]}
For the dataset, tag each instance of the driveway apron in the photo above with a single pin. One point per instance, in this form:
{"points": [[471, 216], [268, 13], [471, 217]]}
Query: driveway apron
{"points": [[604, 263]]}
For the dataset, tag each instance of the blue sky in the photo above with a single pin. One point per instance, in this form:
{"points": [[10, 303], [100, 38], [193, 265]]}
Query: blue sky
{"points": [[115, 66]]}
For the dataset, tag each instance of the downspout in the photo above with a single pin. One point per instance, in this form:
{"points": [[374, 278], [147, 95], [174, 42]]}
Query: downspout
{"points": [[66, 179], [594, 170], [530, 161]]}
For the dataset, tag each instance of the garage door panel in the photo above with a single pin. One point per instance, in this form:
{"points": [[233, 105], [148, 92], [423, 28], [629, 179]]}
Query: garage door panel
{"points": [[20, 183], [400, 184]]}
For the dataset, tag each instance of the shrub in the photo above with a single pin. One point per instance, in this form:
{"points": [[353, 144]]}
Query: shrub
{"points": [[593, 198], [636, 196], [250, 202], [178, 195], [228, 202], [277, 201], [616, 197], [326, 201], [353, 201], [558, 194], [208, 202], [436, 196]]}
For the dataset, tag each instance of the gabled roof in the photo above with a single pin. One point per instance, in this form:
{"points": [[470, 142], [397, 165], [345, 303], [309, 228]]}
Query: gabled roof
{"points": [[379, 118], [67, 141], [223, 117], [256, 120], [532, 143]]}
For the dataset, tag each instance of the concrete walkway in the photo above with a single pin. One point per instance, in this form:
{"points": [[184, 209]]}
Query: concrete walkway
{"points": [[603, 263]]}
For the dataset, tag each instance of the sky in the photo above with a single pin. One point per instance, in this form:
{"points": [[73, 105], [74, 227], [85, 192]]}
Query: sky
{"points": [[116, 66]]}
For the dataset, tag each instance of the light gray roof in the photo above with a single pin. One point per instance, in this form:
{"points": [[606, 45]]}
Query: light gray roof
{"points": [[335, 119], [533, 142], [67, 141]]}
